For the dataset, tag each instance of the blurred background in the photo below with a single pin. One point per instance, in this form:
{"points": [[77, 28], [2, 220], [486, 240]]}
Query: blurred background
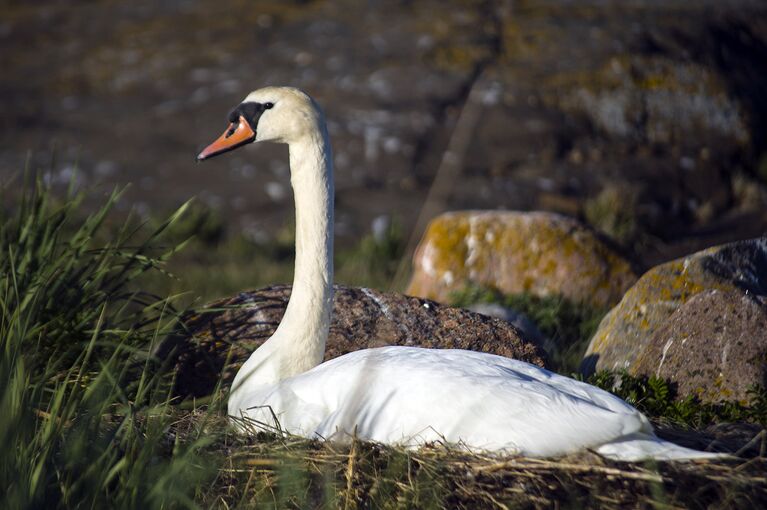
{"points": [[646, 119]]}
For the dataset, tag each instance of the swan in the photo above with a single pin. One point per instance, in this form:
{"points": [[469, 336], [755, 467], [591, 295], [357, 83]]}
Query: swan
{"points": [[399, 395]]}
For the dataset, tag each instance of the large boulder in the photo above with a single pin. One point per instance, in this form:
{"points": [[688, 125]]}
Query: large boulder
{"points": [[217, 339], [533, 252], [660, 100], [714, 346], [700, 338]]}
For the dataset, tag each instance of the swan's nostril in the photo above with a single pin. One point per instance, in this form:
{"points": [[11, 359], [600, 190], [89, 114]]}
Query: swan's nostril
{"points": [[231, 130]]}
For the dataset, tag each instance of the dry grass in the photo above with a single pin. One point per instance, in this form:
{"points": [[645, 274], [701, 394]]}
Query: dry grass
{"points": [[279, 471]]}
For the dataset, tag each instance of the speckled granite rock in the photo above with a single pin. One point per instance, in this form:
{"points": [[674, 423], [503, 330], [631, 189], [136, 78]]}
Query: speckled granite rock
{"points": [[631, 333], [713, 346], [221, 336], [536, 252]]}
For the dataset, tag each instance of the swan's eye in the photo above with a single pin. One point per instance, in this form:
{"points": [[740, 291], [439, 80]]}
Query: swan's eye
{"points": [[267, 106]]}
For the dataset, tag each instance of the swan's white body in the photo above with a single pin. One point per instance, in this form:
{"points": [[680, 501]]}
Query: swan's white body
{"points": [[404, 395], [411, 396]]}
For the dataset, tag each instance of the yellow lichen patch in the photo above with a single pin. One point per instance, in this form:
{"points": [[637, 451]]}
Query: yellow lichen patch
{"points": [[448, 241]]}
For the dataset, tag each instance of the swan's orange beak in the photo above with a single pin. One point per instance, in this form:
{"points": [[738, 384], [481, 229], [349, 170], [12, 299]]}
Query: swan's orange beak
{"points": [[235, 136]]}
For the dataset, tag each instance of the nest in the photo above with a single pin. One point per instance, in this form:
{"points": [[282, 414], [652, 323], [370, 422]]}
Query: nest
{"points": [[289, 472]]}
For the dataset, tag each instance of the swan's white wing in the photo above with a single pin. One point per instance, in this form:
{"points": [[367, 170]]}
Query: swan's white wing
{"points": [[402, 395]]}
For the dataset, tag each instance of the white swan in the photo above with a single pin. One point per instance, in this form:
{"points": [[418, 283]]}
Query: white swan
{"points": [[400, 395]]}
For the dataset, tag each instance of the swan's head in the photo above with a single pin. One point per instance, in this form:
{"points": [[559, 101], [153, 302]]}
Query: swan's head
{"points": [[271, 114]]}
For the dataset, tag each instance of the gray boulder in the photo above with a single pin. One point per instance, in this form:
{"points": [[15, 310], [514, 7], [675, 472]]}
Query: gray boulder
{"points": [[714, 346], [698, 320]]}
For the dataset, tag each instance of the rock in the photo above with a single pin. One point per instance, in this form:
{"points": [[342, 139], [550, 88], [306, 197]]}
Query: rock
{"points": [[535, 252], [519, 320], [632, 332], [220, 337], [660, 100], [714, 346]]}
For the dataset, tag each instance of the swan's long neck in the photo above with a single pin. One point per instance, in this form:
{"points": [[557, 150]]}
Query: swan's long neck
{"points": [[307, 317], [298, 344]]}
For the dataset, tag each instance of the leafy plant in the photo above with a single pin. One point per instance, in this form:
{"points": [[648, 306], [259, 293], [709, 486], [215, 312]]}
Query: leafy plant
{"points": [[657, 398]]}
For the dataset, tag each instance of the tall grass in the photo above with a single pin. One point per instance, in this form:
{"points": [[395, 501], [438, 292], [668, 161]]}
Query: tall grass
{"points": [[85, 419]]}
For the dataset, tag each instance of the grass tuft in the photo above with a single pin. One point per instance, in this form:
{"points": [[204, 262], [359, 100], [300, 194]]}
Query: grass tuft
{"points": [[84, 409]]}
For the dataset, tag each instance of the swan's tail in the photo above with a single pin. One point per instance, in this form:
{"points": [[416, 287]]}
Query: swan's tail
{"points": [[643, 446]]}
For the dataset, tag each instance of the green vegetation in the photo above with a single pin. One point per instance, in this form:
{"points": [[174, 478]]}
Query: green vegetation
{"points": [[658, 400], [217, 262], [84, 409], [614, 212], [86, 414], [374, 261], [567, 326], [87, 419]]}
